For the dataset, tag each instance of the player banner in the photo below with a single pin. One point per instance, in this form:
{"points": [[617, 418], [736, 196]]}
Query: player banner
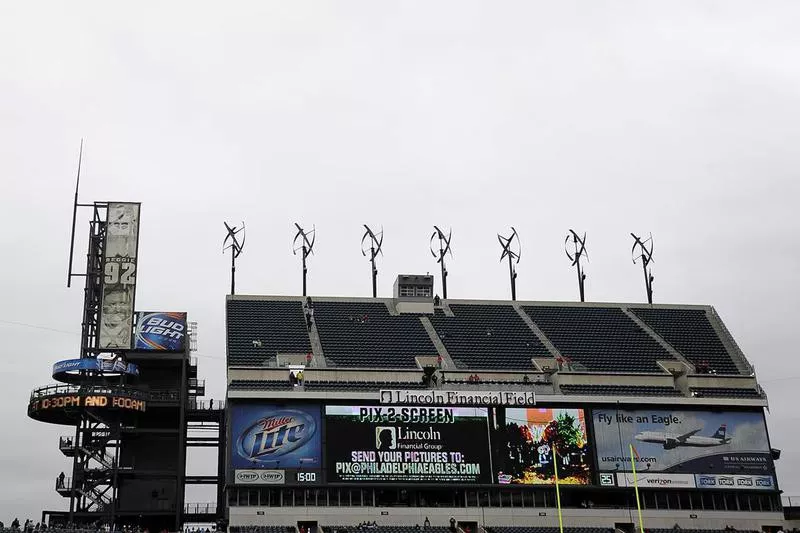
{"points": [[524, 440], [690, 442], [160, 332], [119, 276], [407, 444]]}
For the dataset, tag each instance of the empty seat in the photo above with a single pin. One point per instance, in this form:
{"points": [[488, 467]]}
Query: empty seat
{"points": [[600, 339], [692, 335]]}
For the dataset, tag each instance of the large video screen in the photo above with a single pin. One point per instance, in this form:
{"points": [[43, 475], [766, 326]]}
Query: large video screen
{"points": [[688, 442], [407, 444], [276, 437], [524, 441]]}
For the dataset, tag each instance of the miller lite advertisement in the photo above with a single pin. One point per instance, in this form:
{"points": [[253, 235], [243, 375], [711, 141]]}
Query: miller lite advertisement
{"points": [[268, 436], [119, 276], [407, 444], [160, 332]]}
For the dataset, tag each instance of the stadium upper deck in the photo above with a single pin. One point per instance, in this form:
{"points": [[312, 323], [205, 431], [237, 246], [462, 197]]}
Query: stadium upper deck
{"points": [[639, 348]]}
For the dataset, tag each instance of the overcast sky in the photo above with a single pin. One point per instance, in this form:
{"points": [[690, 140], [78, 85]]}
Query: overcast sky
{"points": [[676, 118]]}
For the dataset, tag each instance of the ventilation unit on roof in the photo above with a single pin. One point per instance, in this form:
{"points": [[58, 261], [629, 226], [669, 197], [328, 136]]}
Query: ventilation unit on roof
{"points": [[414, 293]]}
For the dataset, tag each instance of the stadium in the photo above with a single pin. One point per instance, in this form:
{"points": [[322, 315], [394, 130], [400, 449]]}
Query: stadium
{"points": [[408, 412]]}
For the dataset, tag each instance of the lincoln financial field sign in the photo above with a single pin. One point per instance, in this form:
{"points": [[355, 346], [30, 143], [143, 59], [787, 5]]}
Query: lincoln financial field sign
{"points": [[439, 397]]}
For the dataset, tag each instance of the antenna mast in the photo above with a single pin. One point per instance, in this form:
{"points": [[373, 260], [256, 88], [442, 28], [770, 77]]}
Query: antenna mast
{"points": [[444, 249], [306, 245], [236, 247], [375, 246], [645, 253], [74, 217], [513, 257], [580, 251]]}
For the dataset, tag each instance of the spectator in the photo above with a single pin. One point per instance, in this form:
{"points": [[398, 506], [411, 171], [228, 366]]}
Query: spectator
{"points": [[427, 523], [452, 525], [60, 483], [526, 379]]}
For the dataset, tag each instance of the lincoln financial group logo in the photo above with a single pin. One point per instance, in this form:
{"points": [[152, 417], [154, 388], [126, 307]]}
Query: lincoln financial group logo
{"points": [[393, 438], [275, 435]]}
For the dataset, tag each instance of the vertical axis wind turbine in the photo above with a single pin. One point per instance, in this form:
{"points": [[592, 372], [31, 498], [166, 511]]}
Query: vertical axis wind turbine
{"points": [[575, 257], [375, 245], [513, 257], [444, 249], [236, 247], [646, 255], [306, 245]]}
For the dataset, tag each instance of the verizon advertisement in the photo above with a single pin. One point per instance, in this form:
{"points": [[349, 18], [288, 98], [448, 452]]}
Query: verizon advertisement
{"points": [[119, 276], [407, 444], [682, 442]]}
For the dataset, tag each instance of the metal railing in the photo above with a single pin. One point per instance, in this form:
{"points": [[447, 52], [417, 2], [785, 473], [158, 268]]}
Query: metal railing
{"points": [[82, 390], [207, 405], [200, 508], [63, 483], [165, 396]]}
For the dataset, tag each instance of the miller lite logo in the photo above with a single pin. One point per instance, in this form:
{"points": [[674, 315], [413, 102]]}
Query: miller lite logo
{"points": [[275, 435]]}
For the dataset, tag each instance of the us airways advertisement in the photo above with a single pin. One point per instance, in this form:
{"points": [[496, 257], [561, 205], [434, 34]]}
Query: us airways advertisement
{"points": [[407, 444], [688, 442], [266, 436]]}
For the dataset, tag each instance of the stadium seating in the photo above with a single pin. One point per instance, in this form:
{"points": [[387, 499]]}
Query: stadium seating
{"points": [[602, 339], [550, 530], [672, 530], [387, 529], [260, 329], [725, 392], [691, 334], [488, 337], [261, 529], [259, 384], [361, 385], [619, 390], [364, 335]]}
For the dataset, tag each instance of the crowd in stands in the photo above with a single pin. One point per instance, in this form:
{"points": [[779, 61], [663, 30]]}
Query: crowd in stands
{"points": [[30, 527]]}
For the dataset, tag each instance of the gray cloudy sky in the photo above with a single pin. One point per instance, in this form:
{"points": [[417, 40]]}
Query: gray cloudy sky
{"points": [[679, 118]]}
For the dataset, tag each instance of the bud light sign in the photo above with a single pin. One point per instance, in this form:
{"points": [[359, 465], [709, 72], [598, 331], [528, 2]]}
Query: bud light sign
{"points": [[160, 332], [269, 436]]}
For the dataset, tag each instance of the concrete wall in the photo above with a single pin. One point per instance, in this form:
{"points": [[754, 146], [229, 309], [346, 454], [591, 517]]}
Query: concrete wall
{"points": [[493, 516]]}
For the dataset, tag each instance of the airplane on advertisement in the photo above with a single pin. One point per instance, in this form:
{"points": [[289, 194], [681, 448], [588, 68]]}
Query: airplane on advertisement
{"points": [[671, 440]]}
